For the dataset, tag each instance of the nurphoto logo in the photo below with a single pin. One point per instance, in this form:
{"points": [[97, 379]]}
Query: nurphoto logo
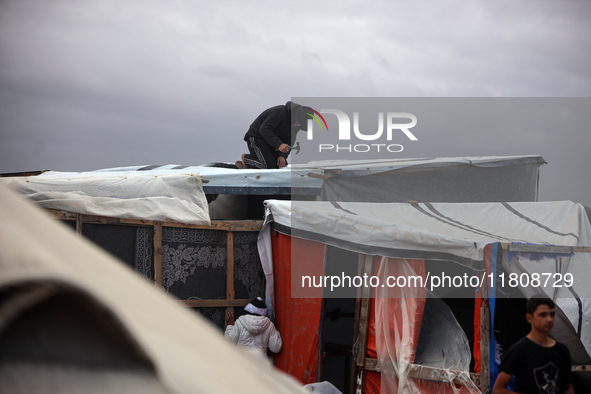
{"points": [[397, 123]]}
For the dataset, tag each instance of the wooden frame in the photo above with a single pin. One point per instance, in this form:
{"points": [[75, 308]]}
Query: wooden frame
{"points": [[228, 226]]}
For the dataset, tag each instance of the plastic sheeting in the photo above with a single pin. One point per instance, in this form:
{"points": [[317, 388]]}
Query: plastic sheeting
{"points": [[441, 181], [399, 318], [174, 197]]}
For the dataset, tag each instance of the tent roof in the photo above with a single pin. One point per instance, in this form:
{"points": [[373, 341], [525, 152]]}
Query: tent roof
{"points": [[219, 179], [439, 231], [188, 354]]}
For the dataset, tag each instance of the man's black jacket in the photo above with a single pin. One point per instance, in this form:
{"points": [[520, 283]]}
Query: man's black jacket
{"points": [[274, 125]]}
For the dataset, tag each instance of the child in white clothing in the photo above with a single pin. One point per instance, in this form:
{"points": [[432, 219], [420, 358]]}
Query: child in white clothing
{"points": [[255, 330]]}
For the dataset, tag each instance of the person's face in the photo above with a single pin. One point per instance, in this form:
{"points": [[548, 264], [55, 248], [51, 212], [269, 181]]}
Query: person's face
{"points": [[542, 319]]}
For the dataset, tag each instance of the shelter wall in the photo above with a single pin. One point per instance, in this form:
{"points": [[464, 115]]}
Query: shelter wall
{"points": [[462, 183], [210, 268]]}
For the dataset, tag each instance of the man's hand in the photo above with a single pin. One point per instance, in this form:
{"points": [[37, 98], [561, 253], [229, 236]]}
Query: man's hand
{"points": [[281, 161], [283, 148]]}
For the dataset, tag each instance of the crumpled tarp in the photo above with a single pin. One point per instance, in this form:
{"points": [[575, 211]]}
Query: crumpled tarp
{"points": [[175, 197]]}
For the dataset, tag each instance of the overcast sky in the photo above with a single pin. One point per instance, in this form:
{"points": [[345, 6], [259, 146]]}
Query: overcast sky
{"points": [[97, 83]]}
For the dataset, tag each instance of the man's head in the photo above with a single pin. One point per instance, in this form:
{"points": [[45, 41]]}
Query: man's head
{"points": [[540, 313], [300, 116]]}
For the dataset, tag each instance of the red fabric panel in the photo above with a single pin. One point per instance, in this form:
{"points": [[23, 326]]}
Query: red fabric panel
{"points": [[297, 319]]}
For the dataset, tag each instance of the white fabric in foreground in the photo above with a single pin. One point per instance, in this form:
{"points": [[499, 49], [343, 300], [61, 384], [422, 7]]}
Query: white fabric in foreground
{"points": [[190, 356], [175, 197]]}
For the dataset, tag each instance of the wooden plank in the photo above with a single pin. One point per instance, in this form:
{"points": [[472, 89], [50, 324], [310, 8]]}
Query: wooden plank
{"points": [[62, 215], [371, 364], [364, 311], [226, 225], [319, 357], [438, 374], [552, 249], [158, 254], [229, 315], [354, 367], [416, 371], [215, 303], [222, 225], [230, 265], [484, 348], [79, 224], [363, 323]]}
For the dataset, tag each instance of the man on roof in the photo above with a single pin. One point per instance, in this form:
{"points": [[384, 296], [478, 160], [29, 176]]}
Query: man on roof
{"points": [[271, 135]]}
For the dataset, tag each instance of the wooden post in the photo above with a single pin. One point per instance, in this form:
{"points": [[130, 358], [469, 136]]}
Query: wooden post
{"points": [[320, 357], [78, 224], [484, 347], [361, 327], [158, 254], [229, 319]]}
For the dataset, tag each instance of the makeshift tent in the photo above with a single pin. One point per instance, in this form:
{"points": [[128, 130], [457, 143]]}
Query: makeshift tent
{"points": [[72, 319], [518, 241]]}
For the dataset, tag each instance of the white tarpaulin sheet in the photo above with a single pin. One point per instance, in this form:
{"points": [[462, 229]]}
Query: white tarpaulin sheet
{"points": [[168, 197], [309, 175], [437, 231], [214, 176]]}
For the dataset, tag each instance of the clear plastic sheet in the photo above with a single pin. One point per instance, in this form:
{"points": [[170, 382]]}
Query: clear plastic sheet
{"points": [[398, 317]]}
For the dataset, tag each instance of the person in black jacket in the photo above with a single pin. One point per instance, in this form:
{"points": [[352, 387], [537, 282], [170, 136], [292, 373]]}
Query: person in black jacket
{"points": [[271, 135]]}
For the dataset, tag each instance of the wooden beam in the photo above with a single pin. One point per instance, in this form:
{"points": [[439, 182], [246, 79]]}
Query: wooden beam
{"points": [[222, 225], [62, 215], [354, 368], [229, 315], [215, 303], [319, 357], [366, 264], [422, 372], [226, 225], [158, 254], [545, 248], [78, 224], [484, 348]]}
